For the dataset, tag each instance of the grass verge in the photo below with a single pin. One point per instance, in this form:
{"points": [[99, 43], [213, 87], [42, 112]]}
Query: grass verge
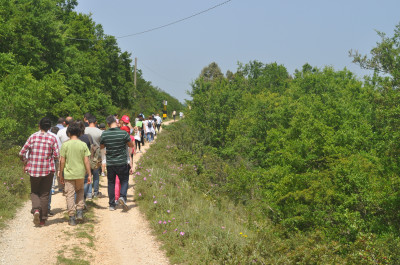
{"points": [[14, 184]]}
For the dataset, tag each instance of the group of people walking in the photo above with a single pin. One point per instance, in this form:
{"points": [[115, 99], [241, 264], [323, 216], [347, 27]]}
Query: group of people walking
{"points": [[77, 153]]}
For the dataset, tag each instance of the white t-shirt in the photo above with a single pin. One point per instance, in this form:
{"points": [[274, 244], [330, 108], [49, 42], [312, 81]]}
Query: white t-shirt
{"points": [[62, 134], [159, 120]]}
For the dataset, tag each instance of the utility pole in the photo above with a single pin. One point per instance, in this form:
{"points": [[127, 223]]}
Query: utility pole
{"points": [[134, 77]]}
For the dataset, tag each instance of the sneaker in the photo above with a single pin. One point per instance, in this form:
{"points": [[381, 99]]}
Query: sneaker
{"points": [[36, 217], [52, 191], [49, 213], [72, 221], [123, 203], [102, 174], [42, 222], [97, 194], [79, 215], [112, 208]]}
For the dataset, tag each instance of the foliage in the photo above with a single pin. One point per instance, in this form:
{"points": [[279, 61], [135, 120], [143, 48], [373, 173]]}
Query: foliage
{"points": [[57, 62], [184, 197], [316, 151], [14, 184]]}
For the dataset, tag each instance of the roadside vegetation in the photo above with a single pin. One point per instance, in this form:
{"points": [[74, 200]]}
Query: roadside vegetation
{"points": [[274, 168], [14, 184]]}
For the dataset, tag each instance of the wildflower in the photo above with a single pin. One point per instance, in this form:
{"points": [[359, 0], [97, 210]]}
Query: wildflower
{"points": [[22, 178], [165, 222], [182, 233], [173, 218], [168, 211], [223, 227], [149, 175], [144, 178], [241, 233], [155, 202], [154, 197], [160, 222], [165, 231], [176, 229], [140, 194], [169, 221]]}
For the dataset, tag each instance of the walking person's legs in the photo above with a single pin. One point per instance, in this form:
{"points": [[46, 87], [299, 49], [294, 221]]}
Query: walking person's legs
{"points": [[70, 197], [79, 201], [44, 191], [96, 181], [123, 174], [35, 198], [87, 188], [111, 175], [117, 188]]}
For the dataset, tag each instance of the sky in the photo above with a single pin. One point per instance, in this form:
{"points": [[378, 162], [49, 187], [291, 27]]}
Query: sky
{"points": [[288, 32]]}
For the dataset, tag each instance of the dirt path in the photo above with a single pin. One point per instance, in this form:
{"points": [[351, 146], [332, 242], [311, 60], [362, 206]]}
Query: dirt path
{"points": [[119, 237]]}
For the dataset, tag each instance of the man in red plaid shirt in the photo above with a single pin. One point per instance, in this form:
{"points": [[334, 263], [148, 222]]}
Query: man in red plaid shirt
{"points": [[38, 154]]}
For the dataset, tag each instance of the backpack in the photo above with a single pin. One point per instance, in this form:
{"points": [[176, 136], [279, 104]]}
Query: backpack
{"points": [[149, 124], [95, 155]]}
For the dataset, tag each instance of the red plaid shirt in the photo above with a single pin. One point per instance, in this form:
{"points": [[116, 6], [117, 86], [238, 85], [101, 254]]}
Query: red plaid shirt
{"points": [[42, 149]]}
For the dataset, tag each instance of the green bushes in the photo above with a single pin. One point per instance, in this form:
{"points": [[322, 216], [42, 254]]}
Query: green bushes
{"points": [[14, 183], [223, 208]]}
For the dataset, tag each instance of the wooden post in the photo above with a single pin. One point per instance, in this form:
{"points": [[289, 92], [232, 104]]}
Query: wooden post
{"points": [[134, 77]]}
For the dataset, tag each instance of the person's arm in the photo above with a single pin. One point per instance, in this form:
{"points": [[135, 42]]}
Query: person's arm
{"points": [[60, 172], [130, 144], [88, 170]]}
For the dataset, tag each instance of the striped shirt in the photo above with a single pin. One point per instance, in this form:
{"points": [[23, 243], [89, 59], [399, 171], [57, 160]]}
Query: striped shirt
{"points": [[115, 141], [42, 149]]}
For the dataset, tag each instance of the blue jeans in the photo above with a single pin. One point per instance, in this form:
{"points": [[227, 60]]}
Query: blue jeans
{"points": [[123, 175], [95, 181], [150, 137]]}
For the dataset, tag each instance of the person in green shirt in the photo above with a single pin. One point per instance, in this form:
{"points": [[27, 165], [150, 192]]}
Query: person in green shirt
{"points": [[74, 164]]}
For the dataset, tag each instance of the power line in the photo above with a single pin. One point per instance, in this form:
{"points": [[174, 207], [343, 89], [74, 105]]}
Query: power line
{"points": [[163, 26]]}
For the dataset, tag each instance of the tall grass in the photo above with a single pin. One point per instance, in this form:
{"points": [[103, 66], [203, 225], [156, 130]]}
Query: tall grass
{"points": [[198, 224], [14, 184]]}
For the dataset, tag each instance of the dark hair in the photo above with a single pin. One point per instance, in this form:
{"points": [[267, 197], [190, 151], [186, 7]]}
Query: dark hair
{"points": [[92, 119], [82, 126], [102, 126], [45, 124], [74, 128], [69, 120], [87, 115], [61, 120], [54, 129], [110, 119]]}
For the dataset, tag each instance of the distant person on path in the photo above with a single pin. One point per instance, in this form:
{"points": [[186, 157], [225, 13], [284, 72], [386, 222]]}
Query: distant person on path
{"points": [[116, 140], [74, 163], [137, 136], [181, 115], [150, 129], [174, 114], [158, 122], [62, 133], [95, 133], [42, 149], [61, 123]]}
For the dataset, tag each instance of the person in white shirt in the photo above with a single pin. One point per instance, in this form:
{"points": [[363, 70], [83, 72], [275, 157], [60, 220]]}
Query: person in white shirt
{"points": [[158, 122], [62, 134]]}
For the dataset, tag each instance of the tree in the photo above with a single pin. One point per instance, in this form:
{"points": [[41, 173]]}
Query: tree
{"points": [[211, 72], [385, 57]]}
